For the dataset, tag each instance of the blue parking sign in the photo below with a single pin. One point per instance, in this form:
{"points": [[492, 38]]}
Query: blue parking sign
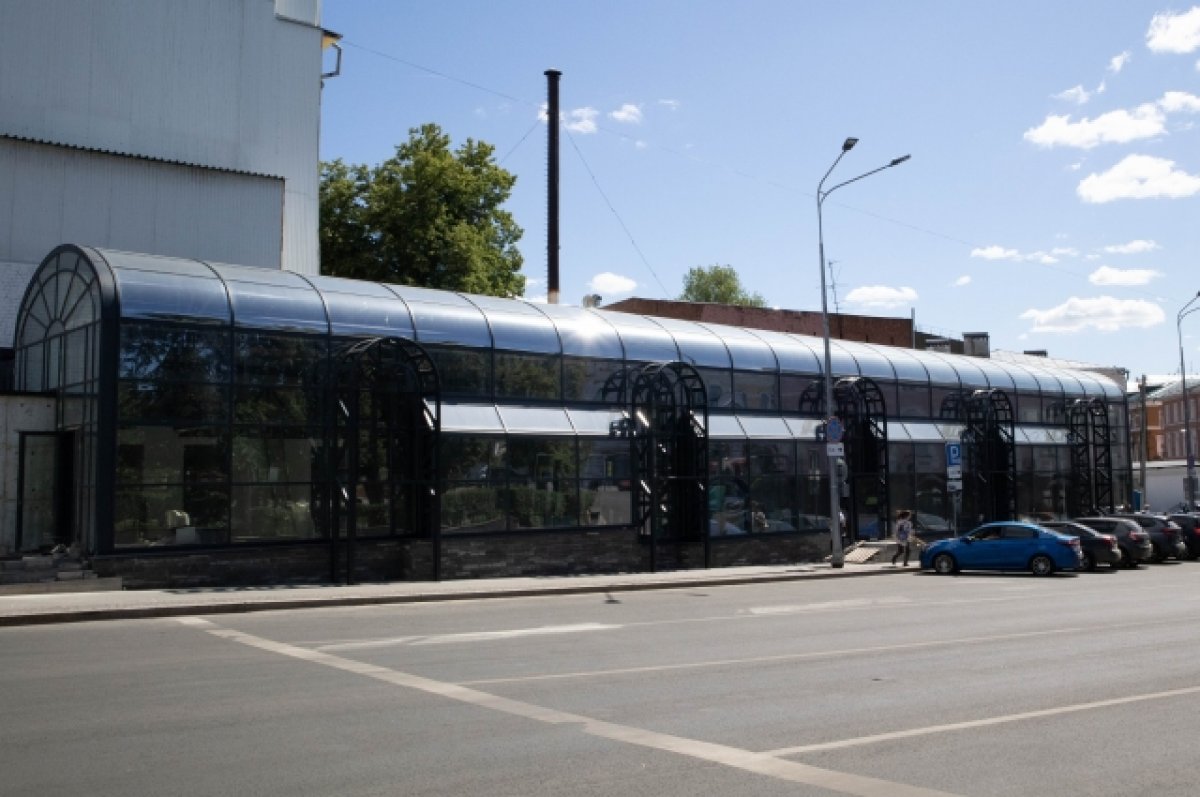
{"points": [[953, 455]]}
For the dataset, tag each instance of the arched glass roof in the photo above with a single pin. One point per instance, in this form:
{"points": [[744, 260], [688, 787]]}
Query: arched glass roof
{"points": [[174, 289]]}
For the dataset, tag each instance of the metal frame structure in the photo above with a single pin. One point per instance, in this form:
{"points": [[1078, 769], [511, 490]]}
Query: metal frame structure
{"points": [[1091, 476], [989, 442], [384, 393], [669, 408], [863, 410]]}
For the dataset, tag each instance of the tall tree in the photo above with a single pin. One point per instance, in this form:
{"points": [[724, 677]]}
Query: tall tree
{"points": [[718, 284], [427, 216]]}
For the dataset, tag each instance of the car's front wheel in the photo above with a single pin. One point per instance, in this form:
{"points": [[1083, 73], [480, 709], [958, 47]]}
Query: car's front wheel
{"points": [[944, 564], [1041, 565]]}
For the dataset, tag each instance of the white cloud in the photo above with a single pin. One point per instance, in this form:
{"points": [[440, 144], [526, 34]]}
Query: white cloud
{"points": [[1118, 62], [609, 284], [963, 280], [628, 113], [1078, 95], [1174, 33], [581, 120], [1176, 101], [540, 298], [534, 282], [639, 144], [1132, 248], [1103, 87], [1107, 275], [994, 252], [1138, 177], [1103, 313], [882, 296], [1114, 127], [672, 105]]}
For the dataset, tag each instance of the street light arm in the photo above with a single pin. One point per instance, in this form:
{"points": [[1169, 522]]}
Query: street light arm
{"points": [[822, 194]]}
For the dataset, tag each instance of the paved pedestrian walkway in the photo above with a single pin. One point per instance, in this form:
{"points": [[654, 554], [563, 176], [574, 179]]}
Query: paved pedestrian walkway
{"points": [[66, 607]]}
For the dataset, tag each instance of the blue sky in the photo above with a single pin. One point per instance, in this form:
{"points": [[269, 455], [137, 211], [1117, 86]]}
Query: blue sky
{"points": [[1052, 198]]}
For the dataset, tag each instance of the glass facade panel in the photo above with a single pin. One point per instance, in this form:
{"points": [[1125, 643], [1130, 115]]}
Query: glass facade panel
{"points": [[363, 308], [718, 384], [756, 391], [792, 353], [594, 380], [170, 297], [277, 307], [584, 333], [870, 362], [180, 354], [528, 376], [747, 351], [264, 512], [264, 359], [277, 455], [843, 363], [463, 372], [912, 401], [165, 402], [543, 491], [450, 325], [605, 489], [520, 331], [643, 340], [536, 420]]}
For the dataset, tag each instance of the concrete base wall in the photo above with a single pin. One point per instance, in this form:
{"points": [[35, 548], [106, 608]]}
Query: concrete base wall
{"points": [[507, 556], [17, 414]]}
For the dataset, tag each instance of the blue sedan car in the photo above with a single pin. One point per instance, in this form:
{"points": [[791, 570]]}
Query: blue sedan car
{"points": [[1006, 545]]}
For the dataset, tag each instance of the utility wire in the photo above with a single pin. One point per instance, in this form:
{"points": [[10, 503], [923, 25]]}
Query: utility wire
{"points": [[616, 215], [695, 159]]}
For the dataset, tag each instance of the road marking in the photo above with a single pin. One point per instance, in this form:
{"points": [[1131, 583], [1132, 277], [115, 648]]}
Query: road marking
{"points": [[816, 654], [981, 723], [737, 758], [852, 603], [473, 636]]}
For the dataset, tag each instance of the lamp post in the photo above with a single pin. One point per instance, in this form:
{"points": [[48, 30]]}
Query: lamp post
{"points": [[837, 560], [1189, 492]]}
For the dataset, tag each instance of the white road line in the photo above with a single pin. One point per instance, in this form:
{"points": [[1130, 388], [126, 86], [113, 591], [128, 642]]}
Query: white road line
{"points": [[827, 606], [758, 763], [981, 723], [816, 654], [473, 636]]}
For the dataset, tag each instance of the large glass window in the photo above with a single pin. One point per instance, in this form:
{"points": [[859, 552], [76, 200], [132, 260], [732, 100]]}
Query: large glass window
{"points": [[601, 381], [605, 488], [463, 372], [542, 487], [528, 376]]}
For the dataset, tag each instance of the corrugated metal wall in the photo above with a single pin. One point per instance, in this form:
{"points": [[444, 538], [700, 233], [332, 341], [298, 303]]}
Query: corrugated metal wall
{"points": [[220, 83], [50, 193]]}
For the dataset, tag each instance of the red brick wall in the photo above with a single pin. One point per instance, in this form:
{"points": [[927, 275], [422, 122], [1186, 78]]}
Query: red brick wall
{"points": [[863, 328]]}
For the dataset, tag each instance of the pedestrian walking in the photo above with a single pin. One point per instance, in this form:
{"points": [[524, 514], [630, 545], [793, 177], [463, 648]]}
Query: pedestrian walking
{"points": [[903, 534]]}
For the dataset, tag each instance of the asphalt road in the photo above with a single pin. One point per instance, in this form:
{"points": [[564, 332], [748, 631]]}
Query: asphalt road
{"points": [[883, 687]]}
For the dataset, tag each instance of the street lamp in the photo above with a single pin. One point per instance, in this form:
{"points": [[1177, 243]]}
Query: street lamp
{"points": [[835, 521], [1189, 491]]}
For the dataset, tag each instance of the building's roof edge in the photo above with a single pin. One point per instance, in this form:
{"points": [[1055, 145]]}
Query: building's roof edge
{"points": [[118, 153]]}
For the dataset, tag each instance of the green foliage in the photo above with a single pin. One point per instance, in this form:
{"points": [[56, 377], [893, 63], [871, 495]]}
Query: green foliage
{"points": [[719, 285], [427, 216]]}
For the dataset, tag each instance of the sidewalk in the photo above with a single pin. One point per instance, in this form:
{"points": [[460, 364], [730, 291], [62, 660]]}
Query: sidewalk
{"points": [[70, 607]]}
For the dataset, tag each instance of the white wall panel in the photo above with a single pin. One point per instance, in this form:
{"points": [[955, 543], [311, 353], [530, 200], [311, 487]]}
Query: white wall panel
{"points": [[70, 196], [220, 83]]}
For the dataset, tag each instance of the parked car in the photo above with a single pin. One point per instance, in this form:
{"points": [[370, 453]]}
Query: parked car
{"points": [[1132, 539], [1098, 548], [1189, 529], [1006, 545], [1164, 534]]}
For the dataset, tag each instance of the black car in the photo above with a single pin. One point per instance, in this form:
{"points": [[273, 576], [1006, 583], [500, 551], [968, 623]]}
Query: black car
{"points": [[1132, 539], [1098, 548], [1164, 534], [1189, 529]]}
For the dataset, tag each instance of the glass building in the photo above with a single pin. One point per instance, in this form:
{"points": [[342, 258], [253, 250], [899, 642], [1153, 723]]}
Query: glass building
{"points": [[352, 429]]}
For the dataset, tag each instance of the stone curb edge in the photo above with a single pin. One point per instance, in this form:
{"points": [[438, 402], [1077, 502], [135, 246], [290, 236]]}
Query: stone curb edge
{"points": [[184, 610]]}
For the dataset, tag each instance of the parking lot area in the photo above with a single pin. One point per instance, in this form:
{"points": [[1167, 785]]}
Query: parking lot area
{"points": [[906, 685]]}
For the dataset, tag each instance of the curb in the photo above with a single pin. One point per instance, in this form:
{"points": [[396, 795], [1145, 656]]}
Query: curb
{"points": [[184, 610]]}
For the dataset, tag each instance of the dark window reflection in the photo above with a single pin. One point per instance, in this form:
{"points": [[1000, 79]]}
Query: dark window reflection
{"points": [[265, 359], [463, 372], [534, 376], [160, 352], [601, 381], [172, 401]]}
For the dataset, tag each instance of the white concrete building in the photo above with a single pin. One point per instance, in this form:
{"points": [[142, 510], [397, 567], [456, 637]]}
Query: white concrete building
{"points": [[173, 127]]}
